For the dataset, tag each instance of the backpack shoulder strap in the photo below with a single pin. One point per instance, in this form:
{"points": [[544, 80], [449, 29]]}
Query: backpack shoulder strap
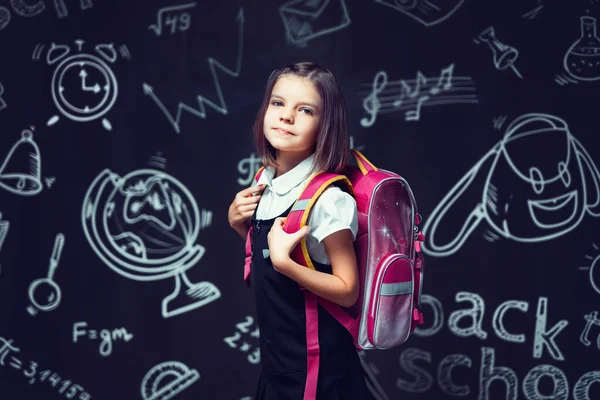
{"points": [[259, 173], [296, 219], [298, 216], [248, 247], [364, 165]]}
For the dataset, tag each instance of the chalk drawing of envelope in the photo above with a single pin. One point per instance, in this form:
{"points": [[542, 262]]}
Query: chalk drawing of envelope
{"points": [[308, 19], [427, 12]]}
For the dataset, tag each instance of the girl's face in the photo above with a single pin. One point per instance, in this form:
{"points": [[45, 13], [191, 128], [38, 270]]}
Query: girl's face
{"points": [[292, 119]]}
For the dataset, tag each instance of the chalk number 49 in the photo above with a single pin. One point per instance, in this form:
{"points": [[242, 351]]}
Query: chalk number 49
{"points": [[178, 21]]}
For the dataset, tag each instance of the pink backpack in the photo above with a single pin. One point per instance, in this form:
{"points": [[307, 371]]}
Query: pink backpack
{"points": [[389, 259]]}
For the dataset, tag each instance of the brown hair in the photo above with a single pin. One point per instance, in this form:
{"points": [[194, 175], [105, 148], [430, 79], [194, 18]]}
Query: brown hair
{"points": [[332, 151]]}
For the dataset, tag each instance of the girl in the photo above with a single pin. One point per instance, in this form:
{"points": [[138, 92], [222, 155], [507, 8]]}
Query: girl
{"points": [[301, 129]]}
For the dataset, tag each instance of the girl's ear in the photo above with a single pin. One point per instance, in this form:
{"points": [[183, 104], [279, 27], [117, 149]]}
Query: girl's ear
{"points": [[463, 202]]}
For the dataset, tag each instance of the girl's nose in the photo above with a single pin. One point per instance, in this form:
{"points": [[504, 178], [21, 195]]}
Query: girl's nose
{"points": [[287, 116]]}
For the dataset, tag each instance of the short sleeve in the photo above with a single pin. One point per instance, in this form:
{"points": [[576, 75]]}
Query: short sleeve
{"points": [[334, 211]]}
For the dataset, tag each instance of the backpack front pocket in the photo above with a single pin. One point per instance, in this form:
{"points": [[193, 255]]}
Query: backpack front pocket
{"points": [[390, 303]]}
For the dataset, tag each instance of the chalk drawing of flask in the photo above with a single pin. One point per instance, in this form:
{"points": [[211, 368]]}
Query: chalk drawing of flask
{"points": [[582, 60], [504, 55]]}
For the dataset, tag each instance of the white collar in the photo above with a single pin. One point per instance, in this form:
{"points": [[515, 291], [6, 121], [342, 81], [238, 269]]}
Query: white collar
{"points": [[286, 182]]}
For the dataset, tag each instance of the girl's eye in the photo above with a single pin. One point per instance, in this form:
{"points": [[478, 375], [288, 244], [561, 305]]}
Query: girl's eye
{"points": [[308, 112], [276, 103]]}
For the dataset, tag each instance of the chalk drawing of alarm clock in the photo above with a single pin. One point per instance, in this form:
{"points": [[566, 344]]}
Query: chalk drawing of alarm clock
{"points": [[84, 87]]}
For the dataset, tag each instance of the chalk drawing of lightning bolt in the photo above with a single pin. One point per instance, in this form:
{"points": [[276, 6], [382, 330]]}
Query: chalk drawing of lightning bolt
{"points": [[213, 65]]}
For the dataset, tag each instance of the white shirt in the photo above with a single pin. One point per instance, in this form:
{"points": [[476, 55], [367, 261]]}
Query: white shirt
{"points": [[333, 211]]}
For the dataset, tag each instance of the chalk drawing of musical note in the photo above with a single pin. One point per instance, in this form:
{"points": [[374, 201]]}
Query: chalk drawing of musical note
{"points": [[421, 82], [157, 28], [415, 115], [445, 81], [409, 95], [408, 92], [371, 103]]}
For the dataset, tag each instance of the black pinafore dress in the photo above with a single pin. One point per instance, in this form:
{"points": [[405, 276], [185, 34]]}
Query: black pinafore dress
{"points": [[282, 323]]}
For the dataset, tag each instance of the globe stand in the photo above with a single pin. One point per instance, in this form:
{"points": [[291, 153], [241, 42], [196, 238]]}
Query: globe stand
{"points": [[196, 295]]}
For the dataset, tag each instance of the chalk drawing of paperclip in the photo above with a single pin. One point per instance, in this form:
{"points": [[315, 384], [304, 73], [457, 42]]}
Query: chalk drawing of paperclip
{"points": [[157, 28]]}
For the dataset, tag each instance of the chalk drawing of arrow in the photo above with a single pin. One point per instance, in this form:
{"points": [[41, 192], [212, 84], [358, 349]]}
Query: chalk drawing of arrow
{"points": [[213, 64]]}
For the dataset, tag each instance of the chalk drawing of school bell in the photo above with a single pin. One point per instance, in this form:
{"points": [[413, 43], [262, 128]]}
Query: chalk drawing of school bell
{"points": [[309, 19], [427, 12], [20, 170]]}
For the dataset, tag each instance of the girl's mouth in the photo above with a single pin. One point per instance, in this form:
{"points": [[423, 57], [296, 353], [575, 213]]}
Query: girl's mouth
{"points": [[283, 131]]}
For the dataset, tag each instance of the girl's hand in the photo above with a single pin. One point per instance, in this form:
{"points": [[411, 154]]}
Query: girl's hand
{"points": [[282, 243], [242, 208]]}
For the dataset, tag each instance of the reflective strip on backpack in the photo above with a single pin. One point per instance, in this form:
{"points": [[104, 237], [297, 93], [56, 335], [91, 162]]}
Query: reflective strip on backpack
{"points": [[300, 205], [392, 289]]}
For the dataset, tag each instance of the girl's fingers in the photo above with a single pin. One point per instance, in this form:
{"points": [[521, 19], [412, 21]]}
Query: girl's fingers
{"points": [[247, 207], [248, 200], [247, 214]]}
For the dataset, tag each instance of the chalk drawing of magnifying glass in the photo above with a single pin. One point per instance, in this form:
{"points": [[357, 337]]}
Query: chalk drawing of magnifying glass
{"points": [[44, 293]]}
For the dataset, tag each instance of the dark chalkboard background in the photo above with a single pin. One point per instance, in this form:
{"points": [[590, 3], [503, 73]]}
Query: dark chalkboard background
{"points": [[125, 133]]}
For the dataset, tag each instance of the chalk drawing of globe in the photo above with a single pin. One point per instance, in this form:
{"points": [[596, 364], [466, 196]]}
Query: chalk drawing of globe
{"points": [[144, 226]]}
